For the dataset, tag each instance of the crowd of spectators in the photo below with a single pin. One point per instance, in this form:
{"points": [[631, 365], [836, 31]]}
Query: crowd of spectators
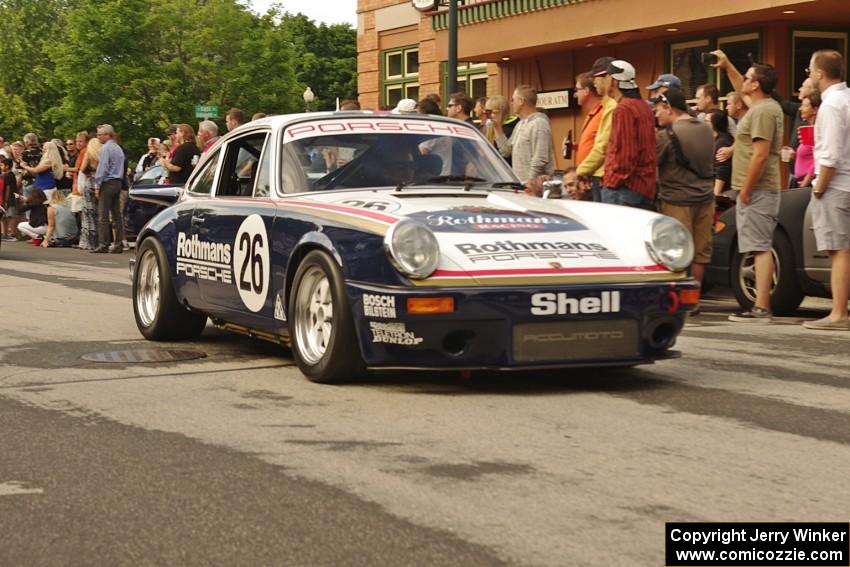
{"points": [[73, 193], [658, 154], [665, 155]]}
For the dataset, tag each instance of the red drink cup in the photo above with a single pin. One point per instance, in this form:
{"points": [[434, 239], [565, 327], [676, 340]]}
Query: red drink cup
{"points": [[807, 135]]}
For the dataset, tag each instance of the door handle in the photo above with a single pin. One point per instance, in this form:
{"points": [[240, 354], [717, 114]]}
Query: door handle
{"points": [[197, 220]]}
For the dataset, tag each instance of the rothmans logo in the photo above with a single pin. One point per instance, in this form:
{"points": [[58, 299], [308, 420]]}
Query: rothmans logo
{"points": [[195, 249], [563, 304]]}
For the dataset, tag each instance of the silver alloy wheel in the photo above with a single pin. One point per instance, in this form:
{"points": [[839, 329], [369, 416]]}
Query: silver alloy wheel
{"points": [[314, 311], [747, 274], [147, 291]]}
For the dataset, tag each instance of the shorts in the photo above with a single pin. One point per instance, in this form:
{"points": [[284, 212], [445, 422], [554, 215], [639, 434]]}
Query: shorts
{"points": [[627, 197], [831, 220], [698, 219], [757, 221], [11, 212]]}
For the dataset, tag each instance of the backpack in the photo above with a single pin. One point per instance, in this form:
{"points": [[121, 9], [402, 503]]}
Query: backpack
{"points": [[681, 158]]}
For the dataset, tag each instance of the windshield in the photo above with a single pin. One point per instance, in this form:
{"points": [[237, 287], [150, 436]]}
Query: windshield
{"points": [[153, 176], [361, 153]]}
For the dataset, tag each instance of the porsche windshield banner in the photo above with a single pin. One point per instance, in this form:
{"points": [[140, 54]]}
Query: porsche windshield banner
{"points": [[318, 128]]}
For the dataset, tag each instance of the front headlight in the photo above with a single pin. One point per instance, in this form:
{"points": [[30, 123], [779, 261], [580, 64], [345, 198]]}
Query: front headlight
{"points": [[669, 243], [412, 248]]}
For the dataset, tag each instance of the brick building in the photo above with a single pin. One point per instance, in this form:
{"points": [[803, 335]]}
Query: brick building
{"points": [[545, 43]]}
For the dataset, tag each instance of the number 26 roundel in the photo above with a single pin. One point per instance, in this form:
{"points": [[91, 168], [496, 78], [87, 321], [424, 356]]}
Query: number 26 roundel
{"points": [[251, 262]]}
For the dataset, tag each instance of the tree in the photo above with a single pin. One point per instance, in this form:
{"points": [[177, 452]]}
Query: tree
{"points": [[143, 64], [31, 29], [327, 61]]}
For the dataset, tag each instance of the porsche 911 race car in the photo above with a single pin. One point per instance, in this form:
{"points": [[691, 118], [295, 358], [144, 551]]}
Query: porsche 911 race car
{"points": [[377, 241]]}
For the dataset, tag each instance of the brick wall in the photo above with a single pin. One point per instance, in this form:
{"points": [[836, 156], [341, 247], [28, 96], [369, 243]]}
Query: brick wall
{"points": [[369, 54]]}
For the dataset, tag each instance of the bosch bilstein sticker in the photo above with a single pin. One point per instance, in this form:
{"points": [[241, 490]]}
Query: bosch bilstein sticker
{"points": [[380, 306], [251, 262]]}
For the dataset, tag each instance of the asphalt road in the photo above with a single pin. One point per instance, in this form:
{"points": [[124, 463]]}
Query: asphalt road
{"points": [[236, 459]]}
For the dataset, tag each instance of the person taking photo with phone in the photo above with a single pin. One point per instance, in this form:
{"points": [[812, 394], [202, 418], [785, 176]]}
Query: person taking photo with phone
{"points": [[755, 174]]}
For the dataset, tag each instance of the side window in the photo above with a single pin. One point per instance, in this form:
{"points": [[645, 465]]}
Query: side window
{"points": [[204, 182], [241, 164], [262, 189]]}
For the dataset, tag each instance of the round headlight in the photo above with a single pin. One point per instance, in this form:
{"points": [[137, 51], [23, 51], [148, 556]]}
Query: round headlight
{"points": [[669, 243], [412, 248]]}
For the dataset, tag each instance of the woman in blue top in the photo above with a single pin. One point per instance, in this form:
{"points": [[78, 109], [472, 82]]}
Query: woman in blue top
{"points": [[48, 170]]}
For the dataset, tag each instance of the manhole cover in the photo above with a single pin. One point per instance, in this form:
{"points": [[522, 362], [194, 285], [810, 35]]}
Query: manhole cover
{"points": [[142, 356]]}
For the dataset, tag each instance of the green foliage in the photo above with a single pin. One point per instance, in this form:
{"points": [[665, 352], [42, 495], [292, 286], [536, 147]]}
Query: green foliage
{"points": [[140, 65]]}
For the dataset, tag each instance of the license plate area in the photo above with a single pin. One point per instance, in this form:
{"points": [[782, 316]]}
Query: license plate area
{"points": [[576, 340]]}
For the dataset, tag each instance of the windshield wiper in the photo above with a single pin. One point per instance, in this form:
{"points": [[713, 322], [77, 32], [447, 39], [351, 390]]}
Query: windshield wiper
{"points": [[467, 181], [512, 184]]}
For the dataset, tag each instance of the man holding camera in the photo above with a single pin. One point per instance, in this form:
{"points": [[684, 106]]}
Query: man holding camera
{"points": [[755, 173]]}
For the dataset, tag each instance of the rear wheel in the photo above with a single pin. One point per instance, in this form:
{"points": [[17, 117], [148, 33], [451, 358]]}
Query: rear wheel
{"points": [[159, 315], [785, 293], [324, 343]]}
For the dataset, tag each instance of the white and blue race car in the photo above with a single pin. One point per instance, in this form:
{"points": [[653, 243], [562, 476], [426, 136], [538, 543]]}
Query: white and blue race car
{"points": [[379, 241]]}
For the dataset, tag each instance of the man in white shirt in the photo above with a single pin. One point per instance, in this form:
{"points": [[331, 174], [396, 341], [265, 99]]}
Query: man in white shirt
{"points": [[830, 203]]}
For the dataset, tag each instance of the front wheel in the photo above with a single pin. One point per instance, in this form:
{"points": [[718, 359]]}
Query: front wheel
{"points": [[324, 343], [159, 315], [785, 293]]}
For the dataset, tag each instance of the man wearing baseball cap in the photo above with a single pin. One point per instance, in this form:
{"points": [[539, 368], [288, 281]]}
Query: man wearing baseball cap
{"points": [[630, 160], [662, 83], [685, 156], [592, 168]]}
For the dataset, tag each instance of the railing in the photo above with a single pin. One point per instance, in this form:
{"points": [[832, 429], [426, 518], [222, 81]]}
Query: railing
{"points": [[474, 11]]}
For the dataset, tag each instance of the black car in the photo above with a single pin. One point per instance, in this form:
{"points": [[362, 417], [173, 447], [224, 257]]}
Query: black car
{"points": [[148, 196], [800, 269]]}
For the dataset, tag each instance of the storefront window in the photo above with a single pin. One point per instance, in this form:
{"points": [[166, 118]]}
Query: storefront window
{"points": [[478, 86], [394, 65], [805, 43], [471, 79], [400, 75], [686, 60], [412, 62], [742, 51], [686, 63]]}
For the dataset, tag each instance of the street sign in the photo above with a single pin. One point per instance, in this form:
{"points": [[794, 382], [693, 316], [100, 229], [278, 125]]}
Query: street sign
{"points": [[206, 111]]}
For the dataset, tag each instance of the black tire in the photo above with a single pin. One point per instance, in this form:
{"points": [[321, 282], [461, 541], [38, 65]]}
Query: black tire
{"points": [[333, 355], [786, 295], [159, 316]]}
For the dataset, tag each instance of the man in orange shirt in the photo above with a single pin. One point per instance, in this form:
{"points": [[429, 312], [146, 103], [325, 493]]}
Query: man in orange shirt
{"points": [[591, 104], [593, 143]]}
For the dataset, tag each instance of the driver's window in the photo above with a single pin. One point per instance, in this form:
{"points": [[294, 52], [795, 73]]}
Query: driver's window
{"points": [[262, 188], [203, 183], [241, 166]]}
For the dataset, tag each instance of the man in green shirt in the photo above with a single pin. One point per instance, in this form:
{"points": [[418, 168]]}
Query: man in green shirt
{"points": [[755, 173]]}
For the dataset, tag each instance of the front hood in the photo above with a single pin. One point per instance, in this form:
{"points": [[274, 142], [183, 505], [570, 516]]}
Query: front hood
{"points": [[504, 238]]}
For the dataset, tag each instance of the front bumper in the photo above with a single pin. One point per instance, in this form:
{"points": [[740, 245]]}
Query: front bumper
{"points": [[511, 328]]}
